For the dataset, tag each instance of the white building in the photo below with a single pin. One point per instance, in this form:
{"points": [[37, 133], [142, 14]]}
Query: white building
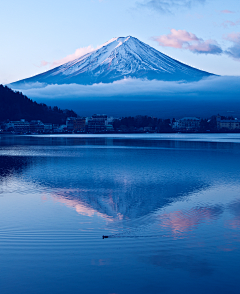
{"points": [[188, 123], [19, 126]]}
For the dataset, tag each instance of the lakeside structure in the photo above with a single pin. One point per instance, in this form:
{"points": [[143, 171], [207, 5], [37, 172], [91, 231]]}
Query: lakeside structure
{"points": [[101, 123], [228, 123], [96, 124], [187, 123]]}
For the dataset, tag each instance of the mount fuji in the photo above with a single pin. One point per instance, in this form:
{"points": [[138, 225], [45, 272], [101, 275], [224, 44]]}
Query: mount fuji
{"points": [[119, 58]]}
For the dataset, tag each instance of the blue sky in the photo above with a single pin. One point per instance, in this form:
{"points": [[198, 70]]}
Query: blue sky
{"points": [[202, 33]]}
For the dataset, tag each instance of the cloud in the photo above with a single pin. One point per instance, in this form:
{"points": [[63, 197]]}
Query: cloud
{"points": [[228, 23], [234, 223], [167, 6], [127, 89], [44, 63], [183, 221], [78, 53], [226, 11], [234, 37], [233, 51], [80, 207], [188, 41]]}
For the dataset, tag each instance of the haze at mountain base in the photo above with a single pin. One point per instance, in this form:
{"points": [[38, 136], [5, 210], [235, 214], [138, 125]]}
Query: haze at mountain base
{"points": [[135, 96], [163, 109]]}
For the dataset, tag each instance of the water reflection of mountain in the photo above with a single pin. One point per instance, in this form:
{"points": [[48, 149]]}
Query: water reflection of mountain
{"points": [[120, 183], [126, 202], [120, 194], [127, 183]]}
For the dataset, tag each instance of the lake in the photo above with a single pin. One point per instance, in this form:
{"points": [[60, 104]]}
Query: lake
{"points": [[169, 204]]}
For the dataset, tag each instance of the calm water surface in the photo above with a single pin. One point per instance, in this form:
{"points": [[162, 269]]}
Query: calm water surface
{"points": [[170, 205]]}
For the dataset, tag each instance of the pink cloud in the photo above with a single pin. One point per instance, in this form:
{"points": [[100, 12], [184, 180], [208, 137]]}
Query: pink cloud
{"points": [[184, 221], [176, 39], [77, 204], [83, 208], [234, 223], [188, 41], [230, 23], [233, 37], [44, 63], [234, 50], [78, 53], [226, 11]]}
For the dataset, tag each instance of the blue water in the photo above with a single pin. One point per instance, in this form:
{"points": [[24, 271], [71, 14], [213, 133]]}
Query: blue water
{"points": [[170, 205]]}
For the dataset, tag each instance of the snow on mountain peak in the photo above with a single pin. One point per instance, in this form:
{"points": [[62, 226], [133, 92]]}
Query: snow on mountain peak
{"points": [[118, 39], [116, 59]]}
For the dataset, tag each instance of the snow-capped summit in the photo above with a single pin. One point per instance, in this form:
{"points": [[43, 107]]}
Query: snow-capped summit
{"points": [[116, 59]]}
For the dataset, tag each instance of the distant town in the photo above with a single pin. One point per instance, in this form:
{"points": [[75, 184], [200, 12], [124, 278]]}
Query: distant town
{"points": [[21, 115], [101, 123]]}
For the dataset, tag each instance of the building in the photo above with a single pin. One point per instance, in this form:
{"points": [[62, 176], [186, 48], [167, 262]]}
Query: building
{"points": [[79, 124], [48, 127], [70, 123], [36, 126], [19, 126], [60, 129], [109, 123], [188, 123], [228, 124], [55, 127], [175, 124], [97, 123]]}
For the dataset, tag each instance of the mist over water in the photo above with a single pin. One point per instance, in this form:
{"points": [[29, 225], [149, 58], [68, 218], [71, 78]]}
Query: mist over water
{"points": [[170, 205]]}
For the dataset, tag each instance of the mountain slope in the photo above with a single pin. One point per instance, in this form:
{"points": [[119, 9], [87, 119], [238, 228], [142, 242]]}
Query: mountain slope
{"points": [[117, 59]]}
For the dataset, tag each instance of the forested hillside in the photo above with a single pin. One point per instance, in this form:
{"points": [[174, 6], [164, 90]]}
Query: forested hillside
{"points": [[16, 106]]}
